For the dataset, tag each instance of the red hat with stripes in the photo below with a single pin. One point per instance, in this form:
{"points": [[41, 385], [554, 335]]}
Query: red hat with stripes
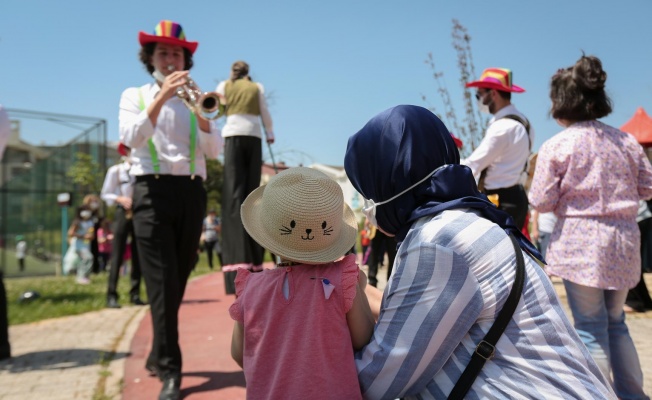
{"points": [[498, 79]]}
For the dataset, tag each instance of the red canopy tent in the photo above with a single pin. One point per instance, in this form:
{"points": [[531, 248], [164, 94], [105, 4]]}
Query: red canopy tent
{"points": [[640, 125]]}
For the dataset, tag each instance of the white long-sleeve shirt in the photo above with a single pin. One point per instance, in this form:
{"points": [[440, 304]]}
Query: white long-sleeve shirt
{"points": [[117, 182], [504, 150], [171, 136], [247, 124]]}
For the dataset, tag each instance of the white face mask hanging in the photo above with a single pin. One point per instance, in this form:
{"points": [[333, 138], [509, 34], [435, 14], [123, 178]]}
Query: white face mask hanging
{"points": [[483, 108], [369, 207]]}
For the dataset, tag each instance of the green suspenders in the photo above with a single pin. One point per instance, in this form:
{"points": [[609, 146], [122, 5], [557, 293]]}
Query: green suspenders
{"points": [[152, 149]]}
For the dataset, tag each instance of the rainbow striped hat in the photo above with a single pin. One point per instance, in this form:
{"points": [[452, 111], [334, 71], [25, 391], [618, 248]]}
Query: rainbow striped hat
{"points": [[498, 79], [170, 33]]}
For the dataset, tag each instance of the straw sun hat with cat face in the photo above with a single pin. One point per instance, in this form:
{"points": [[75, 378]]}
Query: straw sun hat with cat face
{"points": [[300, 215]]}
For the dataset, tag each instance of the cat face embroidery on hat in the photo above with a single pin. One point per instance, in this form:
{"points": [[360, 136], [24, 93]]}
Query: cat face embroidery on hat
{"points": [[326, 230], [303, 210], [301, 216]]}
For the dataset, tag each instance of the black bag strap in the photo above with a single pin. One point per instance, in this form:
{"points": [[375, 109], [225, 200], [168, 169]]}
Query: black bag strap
{"points": [[526, 125], [487, 346]]}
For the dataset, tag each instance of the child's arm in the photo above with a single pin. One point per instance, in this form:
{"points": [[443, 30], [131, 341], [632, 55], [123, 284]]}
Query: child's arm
{"points": [[72, 229], [374, 297], [360, 320], [237, 342]]}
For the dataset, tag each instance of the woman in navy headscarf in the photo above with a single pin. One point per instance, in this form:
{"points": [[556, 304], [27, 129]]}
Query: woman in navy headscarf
{"points": [[453, 273]]}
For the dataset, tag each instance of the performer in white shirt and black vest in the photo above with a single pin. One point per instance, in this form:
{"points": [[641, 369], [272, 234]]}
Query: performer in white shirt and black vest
{"points": [[118, 190], [499, 163], [168, 145], [245, 108]]}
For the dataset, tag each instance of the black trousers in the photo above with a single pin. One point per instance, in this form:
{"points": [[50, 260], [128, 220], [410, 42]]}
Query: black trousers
{"points": [[242, 164], [167, 218], [5, 348], [512, 200], [210, 247], [380, 245], [638, 297], [123, 227]]}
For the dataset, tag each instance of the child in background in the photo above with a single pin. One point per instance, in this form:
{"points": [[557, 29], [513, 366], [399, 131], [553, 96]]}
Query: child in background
{"points": [[365, 241], [80, 233], [104, 243], [302, 320], [21, 249]]}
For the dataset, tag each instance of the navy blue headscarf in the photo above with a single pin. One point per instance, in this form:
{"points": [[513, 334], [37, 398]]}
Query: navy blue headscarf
{"points": [[400, 147]]}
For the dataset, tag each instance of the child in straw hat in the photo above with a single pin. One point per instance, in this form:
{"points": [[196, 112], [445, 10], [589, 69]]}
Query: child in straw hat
{"points": [[297, 325]]}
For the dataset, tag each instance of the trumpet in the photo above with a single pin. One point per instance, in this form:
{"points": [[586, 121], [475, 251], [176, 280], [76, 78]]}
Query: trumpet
{"points": [[204, 104]]}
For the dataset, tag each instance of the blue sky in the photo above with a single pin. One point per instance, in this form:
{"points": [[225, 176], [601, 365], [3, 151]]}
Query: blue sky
{"points": [[330, 65]]}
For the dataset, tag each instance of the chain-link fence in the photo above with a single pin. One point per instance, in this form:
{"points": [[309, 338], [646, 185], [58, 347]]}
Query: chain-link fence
{"points": [[41, 152]]}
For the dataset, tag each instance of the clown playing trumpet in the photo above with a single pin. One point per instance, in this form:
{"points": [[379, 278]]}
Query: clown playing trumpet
{"points": [[169, 143]]}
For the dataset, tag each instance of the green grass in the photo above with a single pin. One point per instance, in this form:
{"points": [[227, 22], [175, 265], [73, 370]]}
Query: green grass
{"points": [[33, 266], [62, 296]]}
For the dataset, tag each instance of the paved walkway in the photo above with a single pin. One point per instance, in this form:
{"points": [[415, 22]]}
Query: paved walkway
{"points": [[100, 355]]}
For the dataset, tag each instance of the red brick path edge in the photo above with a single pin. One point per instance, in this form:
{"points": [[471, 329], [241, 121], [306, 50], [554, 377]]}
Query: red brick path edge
{"points": [[205, 338]]}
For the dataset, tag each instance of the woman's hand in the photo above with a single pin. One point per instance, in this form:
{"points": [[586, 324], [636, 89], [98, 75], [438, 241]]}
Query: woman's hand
{"points": [[124, 201]]}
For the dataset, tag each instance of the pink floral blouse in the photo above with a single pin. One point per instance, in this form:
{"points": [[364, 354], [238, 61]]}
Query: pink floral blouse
{"points": [[592, 177]]}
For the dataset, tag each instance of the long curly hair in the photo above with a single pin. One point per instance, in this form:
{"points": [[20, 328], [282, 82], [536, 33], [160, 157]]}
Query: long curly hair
{"points": [[578, 92], [147, 51]]}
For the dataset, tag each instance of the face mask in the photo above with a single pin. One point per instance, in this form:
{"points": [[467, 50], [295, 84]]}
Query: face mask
{"points": [[85, 214], [484, 108], [158, 75], [369, 208]]}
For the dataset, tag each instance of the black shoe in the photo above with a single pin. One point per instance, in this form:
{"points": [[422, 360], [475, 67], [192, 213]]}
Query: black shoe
{"points": [[5, 353], [152, 369], [171, 388], [138, 302], [112, 302]]}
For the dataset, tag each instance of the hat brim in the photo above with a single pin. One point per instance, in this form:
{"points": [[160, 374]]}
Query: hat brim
{"points": [[145, 38], [251, 211], [495, 86]]}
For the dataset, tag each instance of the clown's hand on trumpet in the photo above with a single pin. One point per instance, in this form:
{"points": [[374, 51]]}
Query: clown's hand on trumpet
{"points": [[203, 104]]}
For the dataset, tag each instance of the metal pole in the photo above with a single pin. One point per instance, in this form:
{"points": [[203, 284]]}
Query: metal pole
{"points": [[64, 234], [269, 147]]}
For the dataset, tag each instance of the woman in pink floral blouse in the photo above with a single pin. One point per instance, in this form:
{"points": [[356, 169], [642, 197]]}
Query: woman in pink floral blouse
{"points": [[592, 177]]}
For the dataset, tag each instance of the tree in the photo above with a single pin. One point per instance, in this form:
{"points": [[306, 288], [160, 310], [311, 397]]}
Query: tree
{"points": [[213, 185], [85, 172], [472, 127]]}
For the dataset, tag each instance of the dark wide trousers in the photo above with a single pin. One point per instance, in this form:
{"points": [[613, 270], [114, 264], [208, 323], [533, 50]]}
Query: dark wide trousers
{"points": [[123, 227], [638, 297], [242, 164], [5, 348], [168, 215]]}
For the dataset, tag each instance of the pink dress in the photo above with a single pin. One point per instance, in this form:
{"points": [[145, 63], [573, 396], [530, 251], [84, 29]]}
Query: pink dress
{"points": [[299, 347], [592, 176], [106, 246]]}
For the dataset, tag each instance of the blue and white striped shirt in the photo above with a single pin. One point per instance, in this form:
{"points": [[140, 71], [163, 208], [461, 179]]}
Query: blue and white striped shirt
{"points": [[452, 275]]}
